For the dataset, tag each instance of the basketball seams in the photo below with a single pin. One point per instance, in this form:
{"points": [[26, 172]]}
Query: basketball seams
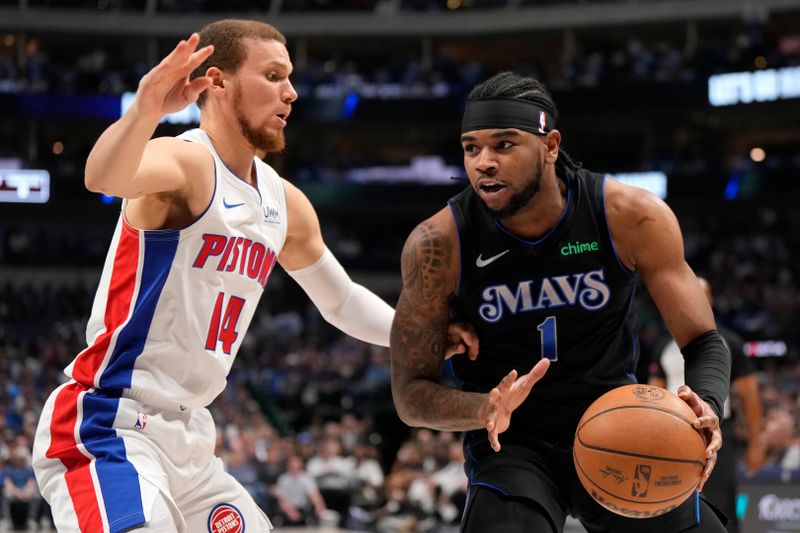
{"points": [[649, 407], [702, 464]]}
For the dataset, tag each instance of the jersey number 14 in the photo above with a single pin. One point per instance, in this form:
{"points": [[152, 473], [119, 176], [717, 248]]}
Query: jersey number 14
{"points": [[223, 325]]}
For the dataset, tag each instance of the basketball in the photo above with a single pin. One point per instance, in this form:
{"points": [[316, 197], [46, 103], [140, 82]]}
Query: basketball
{"points": [[636, 452]]}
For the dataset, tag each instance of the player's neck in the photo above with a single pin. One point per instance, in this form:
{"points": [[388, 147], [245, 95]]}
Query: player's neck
{"points": [[543, 212], [232, 148]]}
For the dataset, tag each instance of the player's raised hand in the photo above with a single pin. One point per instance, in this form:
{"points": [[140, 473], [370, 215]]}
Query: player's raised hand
{"points": [[166, 88], [507, 396], [708, 423]]}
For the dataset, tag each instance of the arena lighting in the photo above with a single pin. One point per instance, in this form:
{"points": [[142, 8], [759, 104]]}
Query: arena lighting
{"points": [[654, 182], [188, 115], [767, 348], [24, 186], [429, 170], [758, 154], [759, 86]]}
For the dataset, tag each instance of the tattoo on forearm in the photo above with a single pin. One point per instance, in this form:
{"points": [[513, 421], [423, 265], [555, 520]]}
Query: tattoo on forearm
{"points": [[418, 338]]}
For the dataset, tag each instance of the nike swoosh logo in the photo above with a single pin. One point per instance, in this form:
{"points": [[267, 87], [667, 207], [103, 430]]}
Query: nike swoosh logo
{"points": [[480, 262], [230, 206]]}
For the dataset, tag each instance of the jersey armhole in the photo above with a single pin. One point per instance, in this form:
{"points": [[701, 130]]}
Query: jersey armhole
{"points": [[192, 223], [600, 192], [455, 211]]}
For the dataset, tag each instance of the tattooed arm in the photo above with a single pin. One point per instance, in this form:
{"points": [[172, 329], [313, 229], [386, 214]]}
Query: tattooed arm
{"points": [[430, 266]]}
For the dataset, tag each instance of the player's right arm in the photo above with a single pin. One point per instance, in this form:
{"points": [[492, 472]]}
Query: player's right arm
{"points": [[125, 161], [430, 265]]}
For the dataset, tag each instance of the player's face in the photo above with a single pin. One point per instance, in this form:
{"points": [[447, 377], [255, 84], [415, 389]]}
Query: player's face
{"points": [[504, 167], [263, 94]]}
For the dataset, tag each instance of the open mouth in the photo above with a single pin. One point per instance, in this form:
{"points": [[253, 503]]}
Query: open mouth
{"points": [[491, 187], [282, 118]]}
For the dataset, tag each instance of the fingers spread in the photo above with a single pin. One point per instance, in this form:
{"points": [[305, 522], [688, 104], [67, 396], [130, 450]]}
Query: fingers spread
{"points": [[197, 58], [540, 368], [197, 86], [537, 372], [506, 382]]}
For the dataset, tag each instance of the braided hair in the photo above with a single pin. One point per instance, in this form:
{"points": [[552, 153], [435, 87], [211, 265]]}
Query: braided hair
{"points": [[510, 85]]}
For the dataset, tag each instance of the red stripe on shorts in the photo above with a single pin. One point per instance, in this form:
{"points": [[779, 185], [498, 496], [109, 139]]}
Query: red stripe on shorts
{"points": [[63, 446]]}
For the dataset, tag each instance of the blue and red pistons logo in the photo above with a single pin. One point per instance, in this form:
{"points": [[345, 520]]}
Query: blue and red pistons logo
{"points": [[225, 518]]}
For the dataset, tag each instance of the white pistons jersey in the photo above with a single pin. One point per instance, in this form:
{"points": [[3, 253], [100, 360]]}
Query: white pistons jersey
{"points": [[173, 306]]}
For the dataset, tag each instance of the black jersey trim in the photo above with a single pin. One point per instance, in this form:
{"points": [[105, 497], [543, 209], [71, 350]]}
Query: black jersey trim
{"points": [[634, 338], [458, 235], [622, 266], [567, 209]]}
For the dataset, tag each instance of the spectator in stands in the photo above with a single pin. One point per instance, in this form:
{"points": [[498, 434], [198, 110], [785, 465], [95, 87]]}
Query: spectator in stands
{"points": [[19, 487], [782, 443], [298, 497]]}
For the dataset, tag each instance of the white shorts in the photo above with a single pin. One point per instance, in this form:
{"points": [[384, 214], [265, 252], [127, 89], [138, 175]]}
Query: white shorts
{"points": [[101, 460]]}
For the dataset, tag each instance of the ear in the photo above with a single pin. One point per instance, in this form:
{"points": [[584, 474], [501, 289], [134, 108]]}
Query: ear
{"points": [[217, 79], [552, 142]]}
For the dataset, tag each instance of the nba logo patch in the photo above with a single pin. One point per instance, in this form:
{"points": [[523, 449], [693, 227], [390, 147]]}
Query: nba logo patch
{"points": [[141, 421], [225, 518], [641, 481], [542, 122]]}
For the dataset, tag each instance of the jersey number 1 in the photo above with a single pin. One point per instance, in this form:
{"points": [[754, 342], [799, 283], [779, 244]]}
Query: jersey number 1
{"points": [[223, 326], [549, 343]]}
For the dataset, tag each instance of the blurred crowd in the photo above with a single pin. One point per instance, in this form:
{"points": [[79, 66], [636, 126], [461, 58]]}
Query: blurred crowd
{"points": [[189, 6], [38, 65], [307, 424]]}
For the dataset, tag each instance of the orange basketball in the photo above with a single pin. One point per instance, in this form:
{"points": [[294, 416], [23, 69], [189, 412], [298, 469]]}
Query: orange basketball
{"points": [[636, 451]]}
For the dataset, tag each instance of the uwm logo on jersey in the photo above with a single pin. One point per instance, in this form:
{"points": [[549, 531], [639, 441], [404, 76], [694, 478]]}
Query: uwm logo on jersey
{"points": [[236, 254]]}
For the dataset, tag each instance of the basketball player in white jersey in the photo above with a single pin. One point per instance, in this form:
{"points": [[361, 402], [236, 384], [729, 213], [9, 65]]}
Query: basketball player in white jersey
{"points": [[127, 443]]}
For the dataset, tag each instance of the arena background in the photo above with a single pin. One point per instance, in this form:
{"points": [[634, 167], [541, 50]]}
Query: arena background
{"points": [[700, 95]]}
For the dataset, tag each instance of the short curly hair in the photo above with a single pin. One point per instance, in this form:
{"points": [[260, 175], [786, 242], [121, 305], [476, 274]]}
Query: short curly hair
{"points": [[227, 36]]}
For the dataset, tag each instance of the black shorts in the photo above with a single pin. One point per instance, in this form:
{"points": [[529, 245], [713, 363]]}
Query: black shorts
{"points": [[545, 474]]}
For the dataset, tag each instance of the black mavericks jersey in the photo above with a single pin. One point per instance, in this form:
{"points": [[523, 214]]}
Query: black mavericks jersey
{"points": [[565, 296]]}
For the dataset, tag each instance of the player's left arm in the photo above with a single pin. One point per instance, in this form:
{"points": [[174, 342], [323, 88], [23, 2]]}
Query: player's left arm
{"points": [[347, 305], [342, 302], [649, 240]]}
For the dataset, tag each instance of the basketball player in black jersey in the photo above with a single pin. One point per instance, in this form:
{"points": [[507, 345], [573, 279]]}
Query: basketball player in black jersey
{"points": [[542, 257]]}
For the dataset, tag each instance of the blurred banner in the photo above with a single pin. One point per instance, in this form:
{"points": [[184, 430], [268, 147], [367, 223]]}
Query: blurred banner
{"points": [[769, 506]]}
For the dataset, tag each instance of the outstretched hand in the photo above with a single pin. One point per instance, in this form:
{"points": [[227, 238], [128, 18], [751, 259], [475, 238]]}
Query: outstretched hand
{"points": [[708, 423], [507, 396], [461, 336], [166, 88]]}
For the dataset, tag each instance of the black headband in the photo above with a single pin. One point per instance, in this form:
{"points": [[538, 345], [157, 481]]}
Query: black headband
{"points": [[495, 113]]}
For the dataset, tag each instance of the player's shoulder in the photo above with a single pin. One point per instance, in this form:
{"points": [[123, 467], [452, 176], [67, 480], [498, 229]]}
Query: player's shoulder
{"points": [[192, 156], [439, 228], [631, 207], [432, 249], [296, 199]]}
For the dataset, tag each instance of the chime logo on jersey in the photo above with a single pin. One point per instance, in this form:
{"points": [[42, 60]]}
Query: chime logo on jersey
{"points": [[225, 518], [587, 289], [229, 254]]}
